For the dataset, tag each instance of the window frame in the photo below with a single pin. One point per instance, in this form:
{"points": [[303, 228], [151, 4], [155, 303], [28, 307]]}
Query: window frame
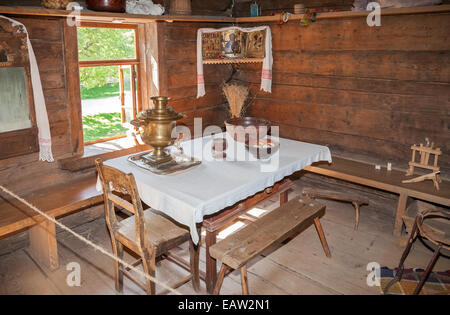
{"points": [[136, 63]]}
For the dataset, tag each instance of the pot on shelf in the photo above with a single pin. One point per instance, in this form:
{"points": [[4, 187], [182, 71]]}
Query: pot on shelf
{"points": [[158, 124], [106, 5]]}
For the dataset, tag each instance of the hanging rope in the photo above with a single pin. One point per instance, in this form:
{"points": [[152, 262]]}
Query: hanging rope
{"points": [[85, 240]]}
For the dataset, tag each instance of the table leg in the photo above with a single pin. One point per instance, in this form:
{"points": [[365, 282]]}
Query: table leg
{"points": [[401, 209], [194, 251], [211, 264], [283, 197]]}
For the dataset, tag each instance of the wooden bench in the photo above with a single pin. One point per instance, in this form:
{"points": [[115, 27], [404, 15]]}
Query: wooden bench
{"points": [[278, 225], [56, 201], [366, 175]]}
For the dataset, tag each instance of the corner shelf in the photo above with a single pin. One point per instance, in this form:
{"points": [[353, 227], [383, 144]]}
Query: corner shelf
{"points": [[230, 61]]}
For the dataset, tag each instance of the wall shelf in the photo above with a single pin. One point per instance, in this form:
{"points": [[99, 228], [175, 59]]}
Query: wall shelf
{"points": [[231, 60], [92, 16]]}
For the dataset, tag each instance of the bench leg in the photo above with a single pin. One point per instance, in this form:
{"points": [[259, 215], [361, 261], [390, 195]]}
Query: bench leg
{"points": [[356, 205], [222, 272], [323, 240], [401, 209], [244, 280], [43, 245]]}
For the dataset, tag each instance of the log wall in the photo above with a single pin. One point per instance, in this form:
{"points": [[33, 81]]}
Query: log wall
{"points": [[50, 39], [179, 74], [363, 91]]}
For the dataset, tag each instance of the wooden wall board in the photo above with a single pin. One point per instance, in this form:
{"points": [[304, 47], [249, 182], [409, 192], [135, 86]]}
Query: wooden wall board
{"points": [[361, 90]]}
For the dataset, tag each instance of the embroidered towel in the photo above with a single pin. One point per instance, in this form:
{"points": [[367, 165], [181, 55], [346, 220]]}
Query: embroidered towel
{"points": [[45, 141], [266, 74]]}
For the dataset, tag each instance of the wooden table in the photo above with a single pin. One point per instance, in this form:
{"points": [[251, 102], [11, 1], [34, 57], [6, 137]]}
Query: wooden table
{"points": [[216, 192]]}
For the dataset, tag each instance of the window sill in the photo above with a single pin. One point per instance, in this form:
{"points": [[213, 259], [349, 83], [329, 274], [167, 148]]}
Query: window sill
{"points": [[103, 150]]}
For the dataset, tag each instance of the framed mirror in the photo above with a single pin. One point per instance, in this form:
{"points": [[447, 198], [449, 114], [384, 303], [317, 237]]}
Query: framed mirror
{"points": [[15, 107]]}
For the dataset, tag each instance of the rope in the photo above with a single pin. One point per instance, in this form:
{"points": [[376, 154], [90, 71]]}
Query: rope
{"points": [[85, 240]]}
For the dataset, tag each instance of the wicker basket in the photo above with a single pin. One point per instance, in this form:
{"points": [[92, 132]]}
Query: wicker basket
{"points": [[55, 4]]}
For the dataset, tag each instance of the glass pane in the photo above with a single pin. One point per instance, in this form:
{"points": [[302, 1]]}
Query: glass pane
{"points": [[106, 43], [14, 107], [101, 102]]}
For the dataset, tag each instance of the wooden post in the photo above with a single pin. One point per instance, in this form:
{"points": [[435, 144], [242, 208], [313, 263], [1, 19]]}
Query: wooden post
{"points": [[401, 209], [122, 94], [133, 90], [43, 245]]}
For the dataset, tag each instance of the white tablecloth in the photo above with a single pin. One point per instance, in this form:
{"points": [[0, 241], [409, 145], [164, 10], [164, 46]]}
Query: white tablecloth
{"points": [[215, 185]]}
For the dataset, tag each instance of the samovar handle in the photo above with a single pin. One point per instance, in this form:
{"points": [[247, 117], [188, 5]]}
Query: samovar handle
{"points": [[137, 122]]}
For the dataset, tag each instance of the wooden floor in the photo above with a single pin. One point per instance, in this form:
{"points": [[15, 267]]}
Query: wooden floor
{"points": [[299, 267]]}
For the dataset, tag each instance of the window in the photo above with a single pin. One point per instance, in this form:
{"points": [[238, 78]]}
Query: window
{"points": [[108, 62]]}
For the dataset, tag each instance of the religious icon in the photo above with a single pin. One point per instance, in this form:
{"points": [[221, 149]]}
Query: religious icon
{"points": [[232, 43]]}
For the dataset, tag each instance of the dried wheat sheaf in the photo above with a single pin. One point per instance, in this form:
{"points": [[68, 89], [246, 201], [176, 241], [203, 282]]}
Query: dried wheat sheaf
{"points": [[236, 96]]}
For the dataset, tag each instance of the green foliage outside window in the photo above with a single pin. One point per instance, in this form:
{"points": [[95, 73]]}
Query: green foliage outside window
{"points": [[103, 44]]}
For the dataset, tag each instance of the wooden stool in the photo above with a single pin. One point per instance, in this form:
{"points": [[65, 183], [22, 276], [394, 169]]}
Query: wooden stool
{"points": [[292, 217], [325, 194]]}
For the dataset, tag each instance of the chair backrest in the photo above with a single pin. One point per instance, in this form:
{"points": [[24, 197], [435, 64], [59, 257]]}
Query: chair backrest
{"points": [[116, 185], [431, 233]]}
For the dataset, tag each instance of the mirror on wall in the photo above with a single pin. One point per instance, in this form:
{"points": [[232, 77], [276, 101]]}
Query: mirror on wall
{"points": [[14, 100]]}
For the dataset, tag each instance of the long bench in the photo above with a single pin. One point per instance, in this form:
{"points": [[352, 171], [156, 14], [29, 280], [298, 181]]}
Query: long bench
{"points": [[55, 201], [391, 181], [236, 250]]}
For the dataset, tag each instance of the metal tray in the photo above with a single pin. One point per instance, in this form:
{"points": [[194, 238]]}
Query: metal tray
{"points": [[179, 164]]}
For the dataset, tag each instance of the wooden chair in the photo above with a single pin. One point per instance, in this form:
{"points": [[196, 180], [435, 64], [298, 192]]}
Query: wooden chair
{"points": [[432, 225], [146, 233], [325, 194], [280, 224]]}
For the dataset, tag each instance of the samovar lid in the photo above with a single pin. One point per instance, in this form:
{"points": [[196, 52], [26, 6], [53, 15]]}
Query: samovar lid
{"points": [[160, 112]]}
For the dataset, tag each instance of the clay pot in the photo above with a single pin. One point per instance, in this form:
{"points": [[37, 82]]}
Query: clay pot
{"points": [[106, 5], [249, 131]]}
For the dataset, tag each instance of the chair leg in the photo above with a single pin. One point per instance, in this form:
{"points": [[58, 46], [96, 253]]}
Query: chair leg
{"points": [[323, 240], [244, 280], [428, 270], [223, 270], [149, 264], [400, 268], [117, 248], [194, 252]]}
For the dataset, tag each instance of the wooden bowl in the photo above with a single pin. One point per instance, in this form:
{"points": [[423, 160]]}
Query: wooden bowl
{"points": [[242, 129], [106, 5]]}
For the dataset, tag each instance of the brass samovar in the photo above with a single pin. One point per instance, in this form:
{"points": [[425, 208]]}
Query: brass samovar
{"points": [[158, 124]]}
